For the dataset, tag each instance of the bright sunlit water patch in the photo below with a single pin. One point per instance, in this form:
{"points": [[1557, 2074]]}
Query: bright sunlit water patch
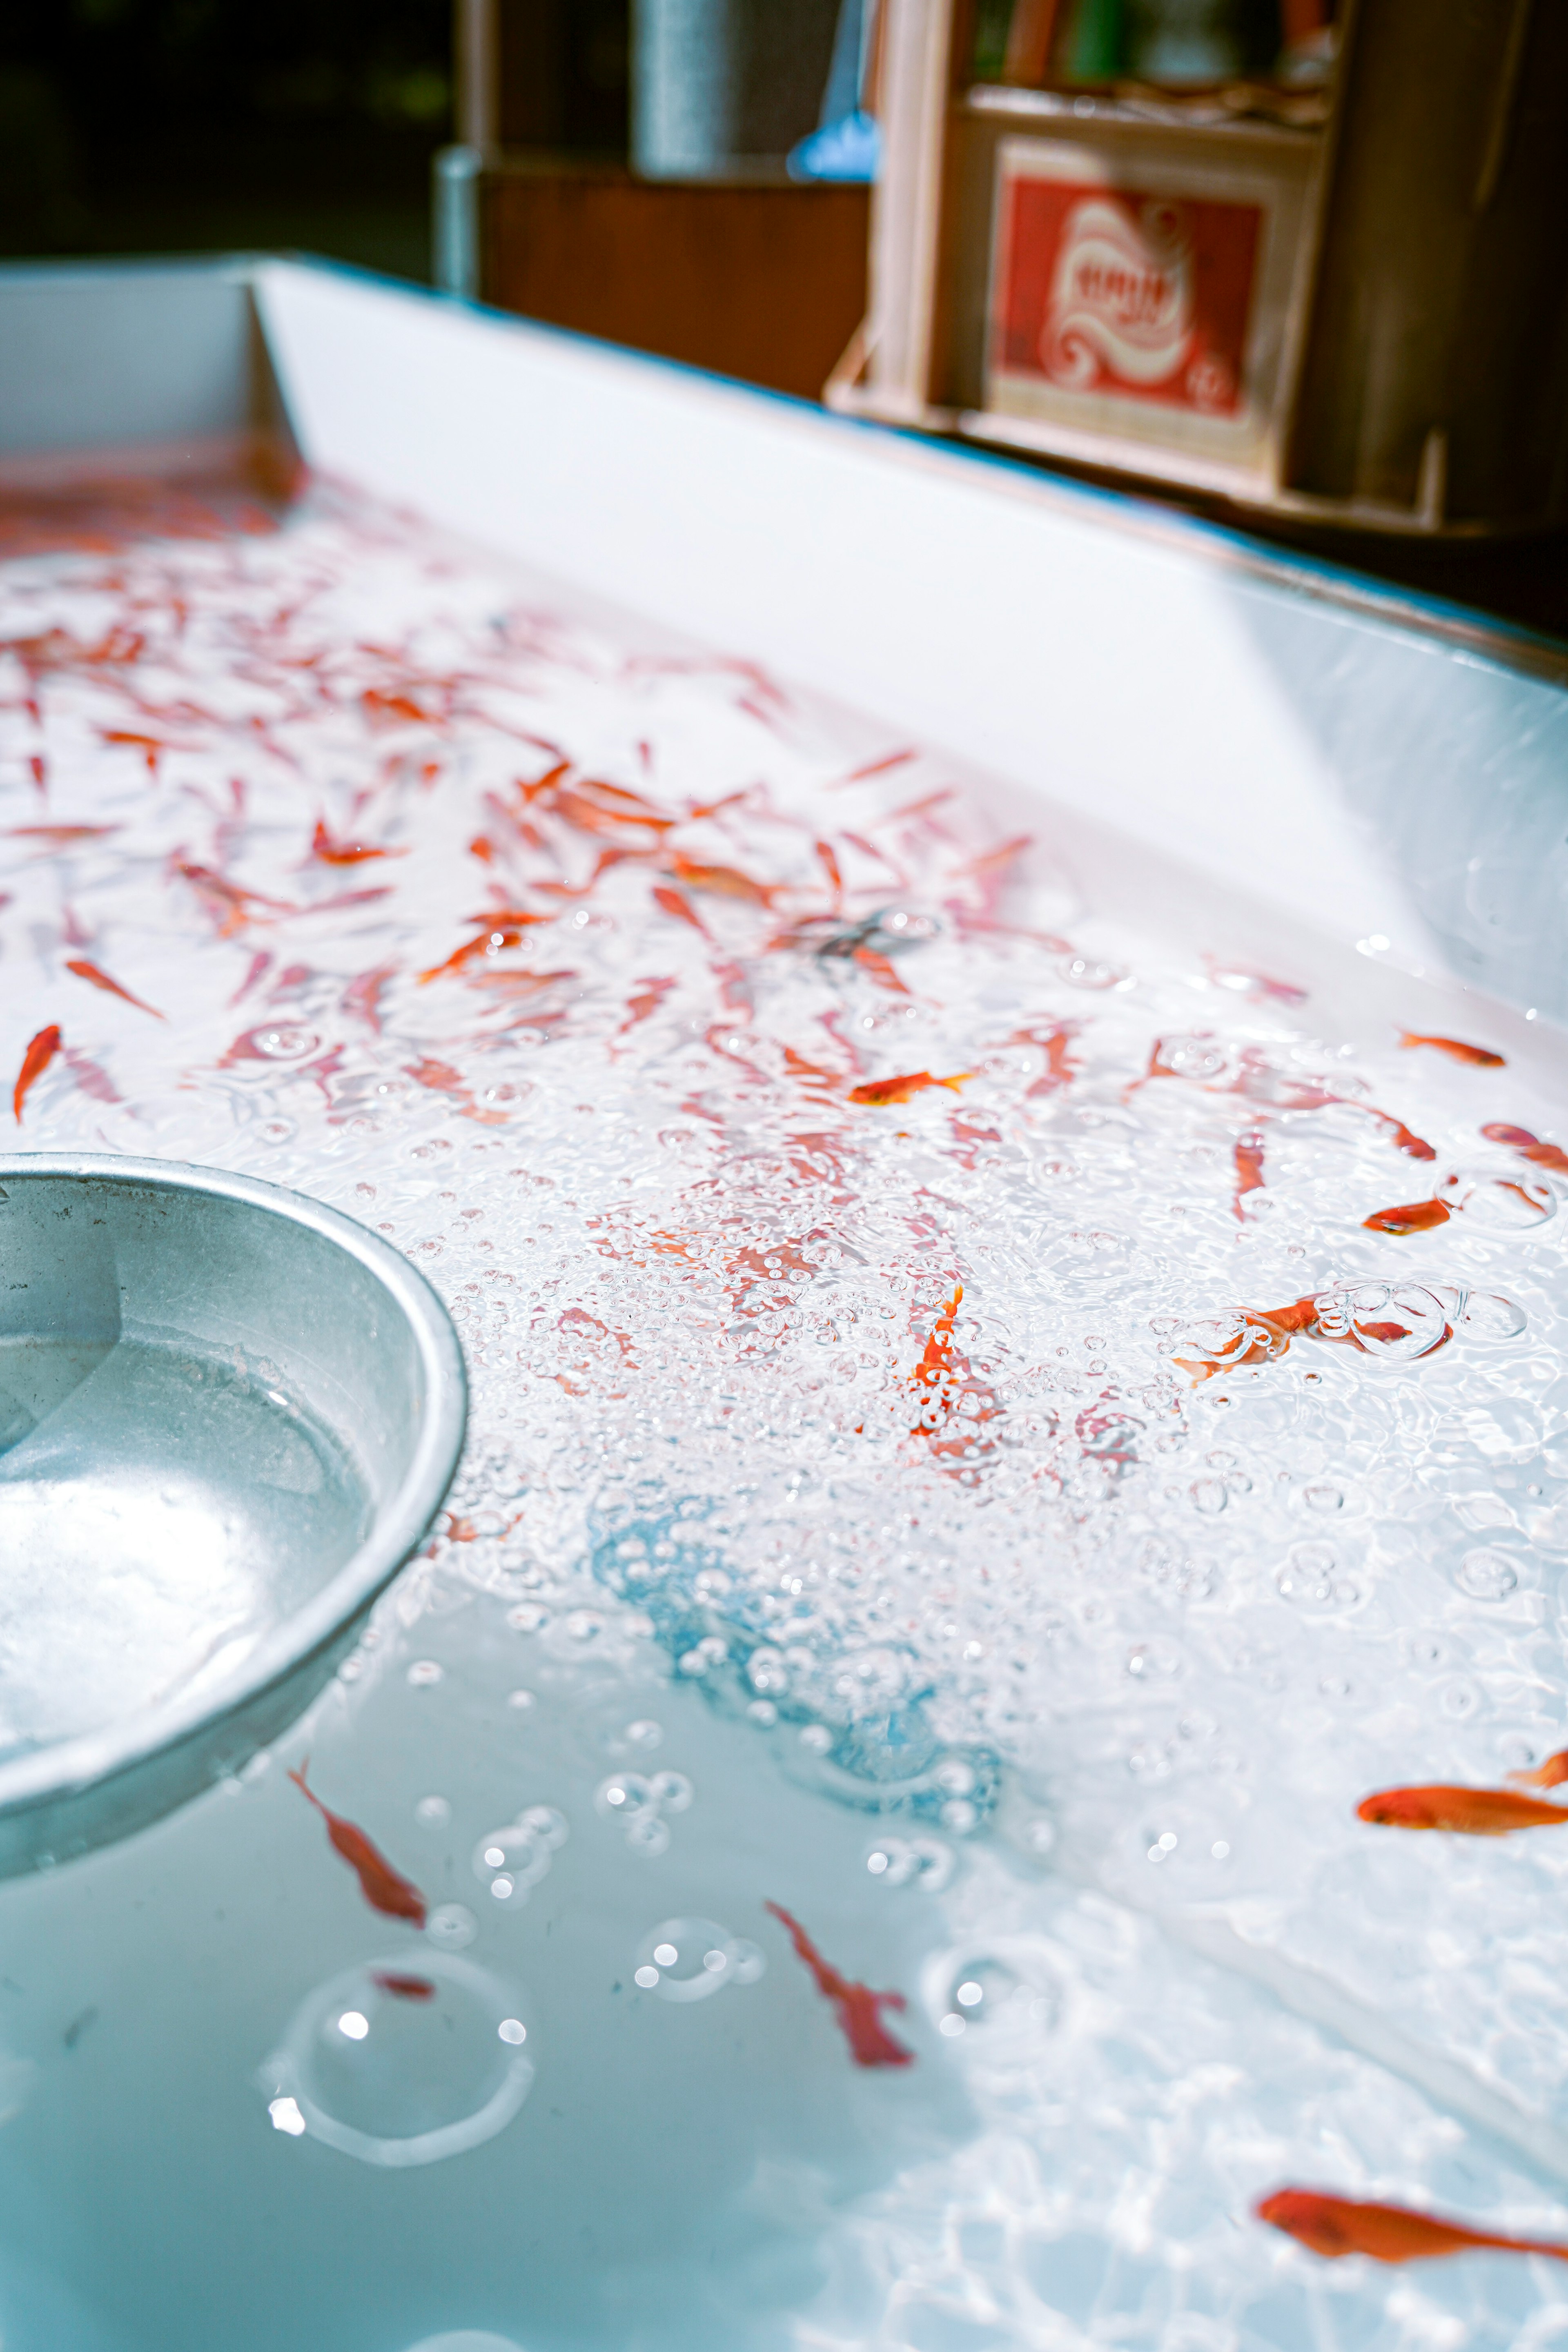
{"points": [[950, 1457]]}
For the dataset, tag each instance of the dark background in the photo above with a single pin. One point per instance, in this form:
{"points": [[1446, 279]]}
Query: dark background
{"points": [[170, 126], [159, 126]]}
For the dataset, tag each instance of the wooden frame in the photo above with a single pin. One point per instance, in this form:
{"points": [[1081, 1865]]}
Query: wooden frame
{"points": [[1420, 193]]}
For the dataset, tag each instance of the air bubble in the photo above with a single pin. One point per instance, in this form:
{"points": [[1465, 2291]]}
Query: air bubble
{"points": [[649, 1836], [1485, 1575], [511, 1861], [401, 2062], [624, 1796], [671, 1791], [1487, 1316], [451, 1928]]}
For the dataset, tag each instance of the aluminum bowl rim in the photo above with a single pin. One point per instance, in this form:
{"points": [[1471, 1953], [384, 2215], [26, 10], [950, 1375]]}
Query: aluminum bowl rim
{"points": [[80, 1763]]}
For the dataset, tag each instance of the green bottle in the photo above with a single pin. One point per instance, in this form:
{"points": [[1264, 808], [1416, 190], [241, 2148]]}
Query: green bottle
{"points": [[1094, 44]]}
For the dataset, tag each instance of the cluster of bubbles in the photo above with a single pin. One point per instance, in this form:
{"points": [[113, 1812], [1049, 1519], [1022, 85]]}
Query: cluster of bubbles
{"points": [[691, 1960], [511, 1861], [641, 1805]]}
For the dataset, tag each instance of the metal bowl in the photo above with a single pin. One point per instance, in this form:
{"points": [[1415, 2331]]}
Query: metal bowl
{"points": [[227, 1416]]}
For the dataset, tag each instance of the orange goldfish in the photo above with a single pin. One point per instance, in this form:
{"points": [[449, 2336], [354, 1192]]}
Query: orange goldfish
{"points": [[502, 930], [1415, 1217], [723, 882], [62, 836], [332, 852], [882, 1091], [96, 979], [40, 1053], [384, 1888], [1335, 2226], [1519, 1139], [858, 2007], [1550, 1775], [1468, 1812], [673, 903], [1456, 1050]]}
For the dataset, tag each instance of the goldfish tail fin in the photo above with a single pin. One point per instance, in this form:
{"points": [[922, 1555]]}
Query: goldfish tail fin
{"points": [[959, 1078]]}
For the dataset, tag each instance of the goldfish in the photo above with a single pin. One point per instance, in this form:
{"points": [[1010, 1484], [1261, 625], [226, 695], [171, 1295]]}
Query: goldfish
{"points": [[226, 899], [858, 2007], [1055, 1044], [362, 994], [882, 1091], [383, 708], [881, 968], [400, 1987], [1478, 1056], [503, 929], [96, 979], [1519, 1139], [645, 1001], [879, 767], [1248, 1168], [1415, 1217], [940, 1366], [1550, 1775], [62, 836], [1335, 2226], [332, 852], [1414, 1147], [1468, 1812], [673, 903], [606, 811], [40, 1053], [723, 882], [384, 1888]]}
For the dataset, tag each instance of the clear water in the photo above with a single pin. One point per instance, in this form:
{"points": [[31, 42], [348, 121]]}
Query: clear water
{"points": [[157, 1509], [1033, 1651]]}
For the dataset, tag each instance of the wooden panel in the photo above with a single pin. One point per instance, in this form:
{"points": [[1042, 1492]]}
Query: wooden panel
{"points": [[767, 283]]}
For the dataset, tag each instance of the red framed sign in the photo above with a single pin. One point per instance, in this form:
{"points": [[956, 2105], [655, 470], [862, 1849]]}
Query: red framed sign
{"points": [[1136, 296]]}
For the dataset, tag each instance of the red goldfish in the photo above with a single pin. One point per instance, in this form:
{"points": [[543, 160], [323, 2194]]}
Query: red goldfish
{"points": [[881, 968], [40, 1053], [1550, 1775], [227, 900], [858, 2007], [400, 1987], [1456, 1050], [1519, 1139], [502, 930], [673, 903], [1415, 1217], [1389, 2233], [96, 979], [62, 836], [882, 1091], [723, 882], [1469, 1812], [332, 852], [384, 1888]]}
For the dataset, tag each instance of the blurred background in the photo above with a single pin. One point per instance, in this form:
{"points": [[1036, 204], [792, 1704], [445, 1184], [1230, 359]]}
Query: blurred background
{"points": [[692, 178], [148, 126]]}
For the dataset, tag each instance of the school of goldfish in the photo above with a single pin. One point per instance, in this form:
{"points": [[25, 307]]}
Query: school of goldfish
{"points": [[877, 1246]]}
